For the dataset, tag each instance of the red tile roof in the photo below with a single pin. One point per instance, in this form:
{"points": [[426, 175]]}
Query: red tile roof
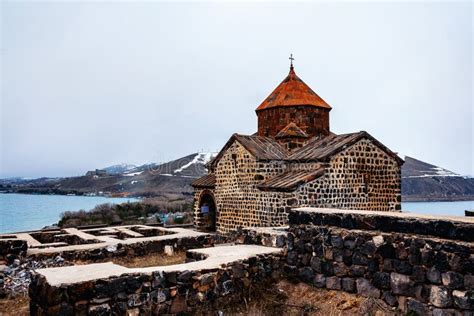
{"points": [[292, 92]]}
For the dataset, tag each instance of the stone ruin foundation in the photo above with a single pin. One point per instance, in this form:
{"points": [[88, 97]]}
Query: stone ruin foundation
{"points": [[418, 264]]}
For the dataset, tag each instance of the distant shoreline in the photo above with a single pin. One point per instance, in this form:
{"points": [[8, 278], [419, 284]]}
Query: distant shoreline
{"points": [[409, 198], [110, 196], [437, 199]]}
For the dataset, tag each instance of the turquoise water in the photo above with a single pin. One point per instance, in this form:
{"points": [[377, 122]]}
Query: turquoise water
{"points": [[20, 212], [438, 208]]}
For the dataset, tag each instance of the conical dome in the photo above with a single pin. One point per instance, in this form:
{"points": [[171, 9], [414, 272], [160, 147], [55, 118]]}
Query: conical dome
{"points": [[292, 91]]}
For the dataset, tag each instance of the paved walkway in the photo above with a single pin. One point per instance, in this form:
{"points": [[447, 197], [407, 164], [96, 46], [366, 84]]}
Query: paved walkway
{"points": [[215, 258]]}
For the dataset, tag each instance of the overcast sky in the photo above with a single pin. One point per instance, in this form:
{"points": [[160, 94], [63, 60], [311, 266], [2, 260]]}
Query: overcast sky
{"points": [[87, 85]]}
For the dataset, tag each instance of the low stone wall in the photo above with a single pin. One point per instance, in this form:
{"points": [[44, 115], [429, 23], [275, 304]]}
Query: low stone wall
{"points": [[133, 250], [12, 249], [156, 293], [443, 227], [414, 272]]}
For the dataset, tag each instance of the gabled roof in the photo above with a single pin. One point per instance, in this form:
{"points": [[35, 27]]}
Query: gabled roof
{"points": [[290, 180], [207, 181], [262, 148], [291, 130], [292, 91], [321, 149], [316, 150]]}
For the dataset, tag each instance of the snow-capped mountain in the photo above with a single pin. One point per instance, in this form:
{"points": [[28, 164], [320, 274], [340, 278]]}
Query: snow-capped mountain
{"points": [[414, 168], [424, 181]]}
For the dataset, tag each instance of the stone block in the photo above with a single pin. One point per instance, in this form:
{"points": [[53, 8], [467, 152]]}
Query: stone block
{"points": [[387, 251], [178, 305], [445, 312], [357, 270], [433, 275], [348, 285], [366, 289], [381, 280], [440, 296], [452, 280], [403, 267], [418, 274], [340, 269], [401, 284], [469, 281], [359, 258], [333, 283], [319, 280], [316, 264], [100, 310], [415, 306], [389, 298], [306, 274], [463, 299]]}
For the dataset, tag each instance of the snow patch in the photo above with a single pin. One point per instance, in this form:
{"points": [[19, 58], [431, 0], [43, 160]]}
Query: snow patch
{"points": [[132, 174], [202, 158]]}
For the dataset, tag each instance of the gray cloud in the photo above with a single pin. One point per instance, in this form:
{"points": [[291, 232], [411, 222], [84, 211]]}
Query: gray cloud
{"points": [[89, 84]]}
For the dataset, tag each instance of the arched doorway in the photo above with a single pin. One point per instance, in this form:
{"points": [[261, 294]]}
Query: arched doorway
{"points": [[207, 209]]}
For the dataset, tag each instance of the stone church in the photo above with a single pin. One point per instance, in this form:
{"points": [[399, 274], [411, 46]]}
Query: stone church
{"points": [[294, 160]]}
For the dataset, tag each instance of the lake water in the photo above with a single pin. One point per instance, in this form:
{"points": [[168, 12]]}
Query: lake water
{"points": [[438, 208], [20, 212]]}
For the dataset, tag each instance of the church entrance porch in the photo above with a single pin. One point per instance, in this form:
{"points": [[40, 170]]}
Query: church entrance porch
{"points": [[207, 212]]}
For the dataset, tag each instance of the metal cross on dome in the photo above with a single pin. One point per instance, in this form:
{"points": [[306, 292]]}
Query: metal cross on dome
{"points": [[291, 60]]}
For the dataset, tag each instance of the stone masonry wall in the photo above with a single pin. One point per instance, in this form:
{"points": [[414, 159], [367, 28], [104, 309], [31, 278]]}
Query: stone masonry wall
{"points": [[423, 274], [312, 120], [361, 177], [12, 249], [133, 250], [239, 202], [152, 294]]}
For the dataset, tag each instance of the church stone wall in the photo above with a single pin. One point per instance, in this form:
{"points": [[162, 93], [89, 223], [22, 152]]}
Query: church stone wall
{"points": [[312, 120], [239, 202], [361, 177]]}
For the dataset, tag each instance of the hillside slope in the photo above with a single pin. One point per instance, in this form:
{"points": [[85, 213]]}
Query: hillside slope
{"points": [[153, 179], [422, 181]]}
